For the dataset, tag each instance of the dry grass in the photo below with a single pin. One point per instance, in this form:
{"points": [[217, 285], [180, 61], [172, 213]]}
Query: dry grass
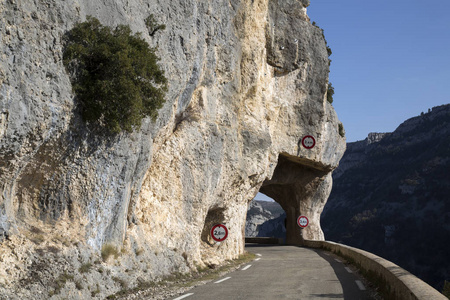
{"points": [[180, 280], [108, 250], [85, 268], [60, 282]]}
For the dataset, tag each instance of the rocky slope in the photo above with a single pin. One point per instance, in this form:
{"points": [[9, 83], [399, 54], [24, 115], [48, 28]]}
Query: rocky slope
{"points": [[265, 219], [247, 80], [390, 196], [256, 215]]}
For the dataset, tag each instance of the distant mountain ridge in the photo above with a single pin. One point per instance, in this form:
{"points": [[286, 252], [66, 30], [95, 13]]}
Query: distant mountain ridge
{"points": [[391, 196], [265, 219]]}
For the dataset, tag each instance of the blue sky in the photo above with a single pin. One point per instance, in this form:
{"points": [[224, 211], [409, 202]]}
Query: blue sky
{"points": [[390, 61]]}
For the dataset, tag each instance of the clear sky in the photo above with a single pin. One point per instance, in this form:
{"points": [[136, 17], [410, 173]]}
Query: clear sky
{"points": [[390, 61]]}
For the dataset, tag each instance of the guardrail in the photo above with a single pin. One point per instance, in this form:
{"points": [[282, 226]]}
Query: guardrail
{"points": [[394, 281]]}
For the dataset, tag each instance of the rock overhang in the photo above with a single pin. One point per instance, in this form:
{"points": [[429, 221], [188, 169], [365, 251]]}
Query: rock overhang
{"points": [[237, 105]]}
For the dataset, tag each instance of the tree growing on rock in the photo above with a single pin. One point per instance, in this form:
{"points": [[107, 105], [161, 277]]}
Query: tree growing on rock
{"points": [[115, 75]]}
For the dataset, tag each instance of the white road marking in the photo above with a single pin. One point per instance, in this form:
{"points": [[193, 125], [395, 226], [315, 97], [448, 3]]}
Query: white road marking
{"points": [[257, 259], [337, 260], [246, 267], [258, 254], [222, 280], [360, 285], [184, 296], [348, 270]]}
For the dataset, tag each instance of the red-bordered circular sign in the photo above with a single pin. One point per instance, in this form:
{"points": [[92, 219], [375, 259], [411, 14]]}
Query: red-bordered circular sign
{"points": [[219, 232], [302, 221], [308, 142]]}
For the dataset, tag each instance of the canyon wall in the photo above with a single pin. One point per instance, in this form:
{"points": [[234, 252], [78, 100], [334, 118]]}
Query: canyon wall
{"points": [[247, 80]]}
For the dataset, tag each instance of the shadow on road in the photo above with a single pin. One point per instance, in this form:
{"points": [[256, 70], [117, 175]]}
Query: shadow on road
{"points": [[351, 290], [349, 287], [328, 296]]}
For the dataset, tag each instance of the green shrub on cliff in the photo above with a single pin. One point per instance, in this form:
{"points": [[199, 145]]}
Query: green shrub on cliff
{"points": [[330, 92], [446, 290], [115, 75], [341, 130], [153, 26]]}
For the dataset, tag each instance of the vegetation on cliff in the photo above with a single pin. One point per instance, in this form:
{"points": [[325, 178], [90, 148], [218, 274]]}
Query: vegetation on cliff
{"points": [[115, 75], [330, 92]]}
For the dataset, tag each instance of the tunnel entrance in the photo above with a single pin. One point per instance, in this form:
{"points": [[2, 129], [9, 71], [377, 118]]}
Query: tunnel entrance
{"points": [[265, 218], [300, 188]]}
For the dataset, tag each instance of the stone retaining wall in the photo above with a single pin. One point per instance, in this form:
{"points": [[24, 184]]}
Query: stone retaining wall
{"points": [[394, 282], [263, 240]]}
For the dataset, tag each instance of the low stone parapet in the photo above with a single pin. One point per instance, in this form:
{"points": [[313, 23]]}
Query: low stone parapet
{"points": [[393, 281], [263, 240]]}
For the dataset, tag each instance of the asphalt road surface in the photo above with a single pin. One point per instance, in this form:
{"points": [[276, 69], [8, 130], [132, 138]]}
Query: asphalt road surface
{"points": [[285, 272]]}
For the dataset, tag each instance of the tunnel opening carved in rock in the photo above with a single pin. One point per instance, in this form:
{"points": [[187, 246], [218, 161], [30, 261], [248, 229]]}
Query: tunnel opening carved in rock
{"points": [[300, 190], [265, 219]]}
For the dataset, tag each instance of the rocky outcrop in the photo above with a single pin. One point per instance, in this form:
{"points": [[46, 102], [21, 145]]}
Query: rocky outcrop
{"points": [[274, 228], [247, 80], [356, 152], [256, 215]]}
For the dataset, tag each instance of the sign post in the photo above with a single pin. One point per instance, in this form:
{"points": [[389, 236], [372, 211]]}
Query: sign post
{"points": [[219, 232], [302, 221], [308, 142]]}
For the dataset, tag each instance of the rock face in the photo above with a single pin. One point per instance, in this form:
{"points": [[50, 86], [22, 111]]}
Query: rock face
{"points": [[390, 196], [265, 219], [274, 228], [247, 80], [256, 215]]}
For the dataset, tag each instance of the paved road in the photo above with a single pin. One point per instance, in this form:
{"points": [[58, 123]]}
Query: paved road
{"points": [[285, 272]]}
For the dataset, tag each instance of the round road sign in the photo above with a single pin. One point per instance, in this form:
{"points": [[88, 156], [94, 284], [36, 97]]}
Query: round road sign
{"points": [[308, 142], [219, 232], [302, 221]]}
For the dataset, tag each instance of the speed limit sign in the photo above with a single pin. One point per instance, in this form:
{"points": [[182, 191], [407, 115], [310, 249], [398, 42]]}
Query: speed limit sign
{"points": [[302, 221], [219, 232]]}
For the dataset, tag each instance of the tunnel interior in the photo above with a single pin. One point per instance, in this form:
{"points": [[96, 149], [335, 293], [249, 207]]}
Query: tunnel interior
{"points": [[301, 189]]}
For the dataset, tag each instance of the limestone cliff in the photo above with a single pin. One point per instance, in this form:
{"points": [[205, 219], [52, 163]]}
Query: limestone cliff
{"points": [[256, 215], [247, 80]]}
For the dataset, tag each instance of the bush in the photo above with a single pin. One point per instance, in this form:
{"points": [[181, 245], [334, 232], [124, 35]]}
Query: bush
{"points": [[108, 250], [330, 92], [153, 26], [123, 284], [60, 282], [446, 289], [341, 130], [329, 51], [115, 75], [85, 268]]}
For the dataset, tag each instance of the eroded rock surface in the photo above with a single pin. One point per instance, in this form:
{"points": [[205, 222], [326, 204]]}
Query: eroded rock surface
{"points": [[256, 215], [247, 80]]}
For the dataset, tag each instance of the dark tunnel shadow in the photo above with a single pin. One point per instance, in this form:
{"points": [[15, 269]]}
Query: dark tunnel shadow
{"points": [[254, 245], [337, 296]]}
